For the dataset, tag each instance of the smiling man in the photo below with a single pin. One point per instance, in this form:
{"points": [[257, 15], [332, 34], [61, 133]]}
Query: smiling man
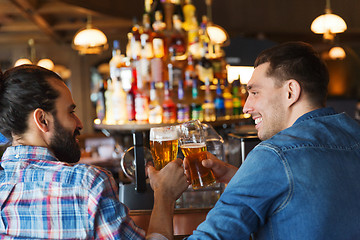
{"points": [[43, 193], [302, 181]]}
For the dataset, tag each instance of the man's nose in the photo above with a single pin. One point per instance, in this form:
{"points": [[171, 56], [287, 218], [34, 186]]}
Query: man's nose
{"points": [[79, 124], [246, 108]]}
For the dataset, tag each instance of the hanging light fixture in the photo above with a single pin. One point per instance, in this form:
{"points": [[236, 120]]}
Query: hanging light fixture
{"points": [[337, 53], [328, 24], [217, 34], [90, 40], [45, 62], [22, 61]]}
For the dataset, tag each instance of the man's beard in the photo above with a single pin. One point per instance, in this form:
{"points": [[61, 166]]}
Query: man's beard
{"points": [[64, 145]]}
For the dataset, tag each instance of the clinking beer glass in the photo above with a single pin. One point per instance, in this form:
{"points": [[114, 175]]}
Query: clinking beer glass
{"points": [[163, 145], [193, 146]]}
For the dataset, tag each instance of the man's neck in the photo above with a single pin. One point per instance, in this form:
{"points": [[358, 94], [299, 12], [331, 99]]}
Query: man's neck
{"points": [[27, 139], [297, 110]]}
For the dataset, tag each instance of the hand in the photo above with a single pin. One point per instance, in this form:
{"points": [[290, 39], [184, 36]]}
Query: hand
{"points": [[223, 171], [170, 182]]}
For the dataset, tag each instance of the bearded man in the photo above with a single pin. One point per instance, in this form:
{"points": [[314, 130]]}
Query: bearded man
{"points": [[43, 193]]}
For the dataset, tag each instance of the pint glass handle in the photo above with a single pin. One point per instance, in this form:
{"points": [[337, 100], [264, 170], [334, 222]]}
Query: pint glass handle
{"points": [[140, 183]]}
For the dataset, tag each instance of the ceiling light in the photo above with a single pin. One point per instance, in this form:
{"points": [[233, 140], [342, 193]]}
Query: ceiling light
{"points": [[46, 63], [337, 53], [22, 61], [90, 40], [328, 24], [216, 34]]}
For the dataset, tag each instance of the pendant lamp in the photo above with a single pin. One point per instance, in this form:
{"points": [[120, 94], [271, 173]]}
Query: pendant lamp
{"points": [[90, 40], [328, 24]]}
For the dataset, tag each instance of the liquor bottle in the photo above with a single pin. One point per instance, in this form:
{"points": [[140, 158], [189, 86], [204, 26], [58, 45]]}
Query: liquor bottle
{"points": [[100, 102], [118, 104], [169, 107], [175, 70], [190, 72], [177, 39], [147, 6], [159, 46], [155, 109], [196, 108], [204, 66], [178, 10], [168, 13], [219, 67], [208, 105], [143, 72], [228, 100], [147, 34], [135, 43], [183, 109], [158, 36], [141, 103], [116, 61], [189, 16], [129, 84], [236, 97], [191, 26], [157, 6], [109, 107], [116, 97], [219, 102], [203, 36], [146, 52], [128, 45], [243, 95]]}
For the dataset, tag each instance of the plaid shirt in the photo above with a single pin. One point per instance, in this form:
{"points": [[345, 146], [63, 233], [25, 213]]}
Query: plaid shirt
{"points": [[43, 198]]}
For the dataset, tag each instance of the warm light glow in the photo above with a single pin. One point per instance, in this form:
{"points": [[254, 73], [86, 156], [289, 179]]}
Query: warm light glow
{"points": [[97, 121], [90, 37], [337, 53], [90, 41], [216, 34], [63, 71], [328, 23], [46, 63], [245, 73], [247, 115], [22, 61]]}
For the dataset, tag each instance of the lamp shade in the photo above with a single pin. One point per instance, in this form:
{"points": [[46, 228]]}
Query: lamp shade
{"points": [[337, 53], [328, 23], [90, 41], [46, 63], [216, 34], [22, 61]]}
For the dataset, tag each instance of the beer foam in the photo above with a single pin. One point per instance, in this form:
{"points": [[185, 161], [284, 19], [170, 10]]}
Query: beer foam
{"points": [[194, 145], [164, 134]]}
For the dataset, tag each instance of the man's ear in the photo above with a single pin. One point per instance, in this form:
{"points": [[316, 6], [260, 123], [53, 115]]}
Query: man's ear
{"points": [[293, 89], [41, 119]]}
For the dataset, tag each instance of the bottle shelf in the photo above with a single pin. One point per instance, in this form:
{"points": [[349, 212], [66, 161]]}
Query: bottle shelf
{"points": [[134, 127]]}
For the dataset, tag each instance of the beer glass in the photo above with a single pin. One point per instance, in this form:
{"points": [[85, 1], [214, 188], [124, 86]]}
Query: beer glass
{"points": [[163, 145], [193, 145]]}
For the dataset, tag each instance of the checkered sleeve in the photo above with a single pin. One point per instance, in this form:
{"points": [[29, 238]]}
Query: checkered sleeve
{"points": [[108, 215]]}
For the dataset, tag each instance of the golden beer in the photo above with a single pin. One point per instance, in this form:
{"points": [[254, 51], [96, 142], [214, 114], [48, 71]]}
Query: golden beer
{"points": [[200, 175], [163, 152]]}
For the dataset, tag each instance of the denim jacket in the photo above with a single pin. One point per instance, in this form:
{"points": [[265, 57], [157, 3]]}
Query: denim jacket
{"points": [[303, 183]]}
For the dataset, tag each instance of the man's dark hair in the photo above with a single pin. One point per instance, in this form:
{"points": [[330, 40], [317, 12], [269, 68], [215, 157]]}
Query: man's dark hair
{"points": [[299, 61], [23, 89]]}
